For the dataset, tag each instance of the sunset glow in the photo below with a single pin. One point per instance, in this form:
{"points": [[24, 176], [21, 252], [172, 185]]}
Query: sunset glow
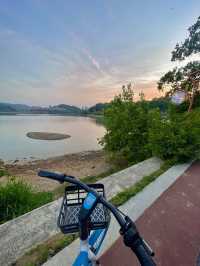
{"points": [[82, 53]]}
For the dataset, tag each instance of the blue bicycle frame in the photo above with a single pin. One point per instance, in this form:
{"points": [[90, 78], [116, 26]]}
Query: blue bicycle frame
{"points": [[90, 243], [89, 248]]}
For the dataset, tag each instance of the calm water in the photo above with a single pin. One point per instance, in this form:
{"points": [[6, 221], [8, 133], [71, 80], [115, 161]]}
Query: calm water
{"points": [[14, 144]]}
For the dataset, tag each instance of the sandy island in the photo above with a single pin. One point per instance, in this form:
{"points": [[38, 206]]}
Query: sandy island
{"points": [[81, 164], [47, 136]]}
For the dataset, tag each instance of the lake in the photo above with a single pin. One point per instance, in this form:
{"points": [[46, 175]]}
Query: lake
{"points": [[14, 144]]}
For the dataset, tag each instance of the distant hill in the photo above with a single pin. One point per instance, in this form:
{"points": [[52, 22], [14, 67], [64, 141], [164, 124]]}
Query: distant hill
{"points": [[64, 108], [4, 107], [98, 108], [26, 109]]}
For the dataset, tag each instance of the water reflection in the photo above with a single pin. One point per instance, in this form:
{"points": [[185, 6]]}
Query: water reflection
{"points": [[84, 132]]}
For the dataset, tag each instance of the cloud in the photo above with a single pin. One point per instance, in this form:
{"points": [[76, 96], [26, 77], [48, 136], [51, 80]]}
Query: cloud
{"points": [[92, 59], [75, 74]]}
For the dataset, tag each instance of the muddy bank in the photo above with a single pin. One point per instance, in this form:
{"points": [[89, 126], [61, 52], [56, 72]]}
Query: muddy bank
{"points": [[78, 164]]}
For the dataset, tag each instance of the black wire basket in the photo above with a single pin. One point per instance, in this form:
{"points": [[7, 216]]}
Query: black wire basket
{"points": [[70, 208]]}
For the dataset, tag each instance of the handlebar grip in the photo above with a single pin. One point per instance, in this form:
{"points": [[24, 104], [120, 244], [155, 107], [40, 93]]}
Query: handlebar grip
{"points": [[144, 258], [51, 175]]}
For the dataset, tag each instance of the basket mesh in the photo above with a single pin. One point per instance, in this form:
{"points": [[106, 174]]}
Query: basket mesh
{"points": [[73, 199]]}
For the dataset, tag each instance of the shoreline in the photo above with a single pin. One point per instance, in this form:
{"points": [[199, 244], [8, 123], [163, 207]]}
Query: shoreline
{"points": [[32, 159], [82, 164]]}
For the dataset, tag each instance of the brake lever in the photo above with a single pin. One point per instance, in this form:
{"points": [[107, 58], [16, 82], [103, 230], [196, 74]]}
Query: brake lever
{"points": [[130, 223]]}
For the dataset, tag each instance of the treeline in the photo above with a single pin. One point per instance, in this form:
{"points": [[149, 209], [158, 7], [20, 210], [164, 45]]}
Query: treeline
{"points": [[139, 130], [99, 108], [26, 109]]}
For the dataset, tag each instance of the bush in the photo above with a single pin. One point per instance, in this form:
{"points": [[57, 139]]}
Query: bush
{"points": [[135, 131], [127, 129], [175, 136], [3, 172], [17, 198]]}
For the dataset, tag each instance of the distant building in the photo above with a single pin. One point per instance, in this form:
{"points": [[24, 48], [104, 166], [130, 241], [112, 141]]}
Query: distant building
{"points": [[178, 97]]}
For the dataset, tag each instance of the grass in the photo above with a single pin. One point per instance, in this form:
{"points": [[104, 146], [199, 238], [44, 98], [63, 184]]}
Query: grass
{"points": [[17, 198], [41, 253], [3, 172]]}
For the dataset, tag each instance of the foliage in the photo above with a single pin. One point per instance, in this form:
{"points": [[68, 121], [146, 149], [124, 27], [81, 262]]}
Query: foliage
{"points": [[191, 45], [186, 78], [136, 131], [98, 108], [3, 172], [183, 107], [175, 135], [182, 79], [17, 198], [179, 78], [126, 123], [162, 104]]}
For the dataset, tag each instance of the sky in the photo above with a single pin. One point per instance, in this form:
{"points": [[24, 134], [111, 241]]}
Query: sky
{"points": [[82, 52]]}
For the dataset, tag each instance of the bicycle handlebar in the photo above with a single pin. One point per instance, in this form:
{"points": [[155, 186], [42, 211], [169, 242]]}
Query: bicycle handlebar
{"points": [[143, 257], [139, 249], [64, 178], [54, 176]]}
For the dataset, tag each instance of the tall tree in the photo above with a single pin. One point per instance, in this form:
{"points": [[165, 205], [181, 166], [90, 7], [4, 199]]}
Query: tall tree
{"points": [[190, 46], [182, 79], [186, 78]]}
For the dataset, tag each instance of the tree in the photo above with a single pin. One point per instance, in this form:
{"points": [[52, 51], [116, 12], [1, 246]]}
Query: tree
{"points": [[126, 123], [190, 46], [186, 78], [174, 136]]}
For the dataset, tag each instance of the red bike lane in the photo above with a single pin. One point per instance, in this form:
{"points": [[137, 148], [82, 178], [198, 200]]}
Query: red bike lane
{"points": [[171, 226]]}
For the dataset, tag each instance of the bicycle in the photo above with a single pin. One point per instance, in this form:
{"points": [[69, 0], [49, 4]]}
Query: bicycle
{"points": [[85, 209]]}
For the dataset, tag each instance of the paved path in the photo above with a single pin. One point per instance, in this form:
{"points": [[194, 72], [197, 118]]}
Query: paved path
{"points": [[135, 207], [171, 225]]}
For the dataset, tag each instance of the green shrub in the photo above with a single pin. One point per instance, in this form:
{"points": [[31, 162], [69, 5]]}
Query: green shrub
{"points": [[3, 172], [175, 136], [127, 129], [135, 131], [17, 198]]}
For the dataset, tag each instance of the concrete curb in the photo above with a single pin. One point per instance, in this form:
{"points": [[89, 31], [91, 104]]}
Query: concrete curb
{"points": [[23, 233], [134, 207]]}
